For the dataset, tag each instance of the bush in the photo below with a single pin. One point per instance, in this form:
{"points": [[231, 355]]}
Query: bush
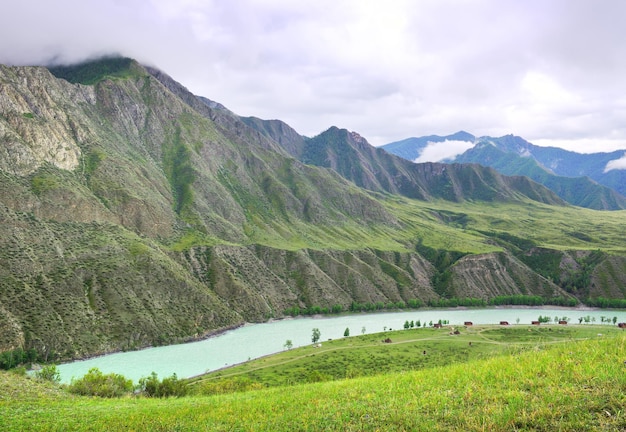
{"points": [[49, 373], [17, 357], [95, 383], [19, 371], [170, 386]]}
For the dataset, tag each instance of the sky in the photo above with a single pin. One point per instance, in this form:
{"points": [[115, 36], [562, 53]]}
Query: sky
{"points": [[551, 71]]}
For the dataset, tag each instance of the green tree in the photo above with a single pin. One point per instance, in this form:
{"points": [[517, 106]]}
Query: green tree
{"points": [[363, 329], [288, 344], [316, 335], [406, 325], [346, 333]]}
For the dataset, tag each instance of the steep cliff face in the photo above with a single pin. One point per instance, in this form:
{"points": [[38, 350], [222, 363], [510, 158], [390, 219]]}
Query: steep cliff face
{"points": [[490, 275], [260, 282], [37, 122], [608, 279]]}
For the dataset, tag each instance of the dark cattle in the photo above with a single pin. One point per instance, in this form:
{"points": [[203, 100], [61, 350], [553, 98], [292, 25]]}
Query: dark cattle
{"points": [[468, 323], [535, 323], [563, 322], [621, 325], [504, 323], [387, 340]]}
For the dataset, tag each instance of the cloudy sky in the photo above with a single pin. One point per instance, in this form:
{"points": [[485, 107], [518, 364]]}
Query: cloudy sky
{"points": [[551, 71]]}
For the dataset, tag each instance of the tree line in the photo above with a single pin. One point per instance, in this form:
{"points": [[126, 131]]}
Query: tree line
{"points": [[514, 300]]}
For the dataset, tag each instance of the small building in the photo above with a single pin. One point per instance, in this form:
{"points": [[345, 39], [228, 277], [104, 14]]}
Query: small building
{"points": [[563, 322], [535, 323], [437, 325], [468, 323], [504, 323]]}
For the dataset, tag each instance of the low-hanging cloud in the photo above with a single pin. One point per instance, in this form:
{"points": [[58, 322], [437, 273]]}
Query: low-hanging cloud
{"points": [[439, 151], [616, 164]]}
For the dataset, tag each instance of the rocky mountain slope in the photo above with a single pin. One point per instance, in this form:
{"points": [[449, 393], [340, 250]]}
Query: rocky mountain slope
{"points": [[133, 213]]}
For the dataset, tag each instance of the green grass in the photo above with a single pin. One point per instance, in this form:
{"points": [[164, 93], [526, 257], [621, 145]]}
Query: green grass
{"points": [[92, 72], [367, 355], [544, 225], [577, 386], [485, 228]]}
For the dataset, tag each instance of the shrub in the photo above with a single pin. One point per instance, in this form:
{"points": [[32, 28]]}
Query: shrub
{"points": [[170, 386], [49, 373], [20, 371], [95, 383]]}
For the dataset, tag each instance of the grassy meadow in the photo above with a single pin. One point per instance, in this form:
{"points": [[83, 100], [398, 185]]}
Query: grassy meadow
{"points": [[522, 378], [404, 351], [465, 226]]}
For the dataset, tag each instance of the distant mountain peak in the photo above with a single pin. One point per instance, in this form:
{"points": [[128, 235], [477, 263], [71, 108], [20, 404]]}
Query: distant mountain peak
{"points": [[580, 179]]}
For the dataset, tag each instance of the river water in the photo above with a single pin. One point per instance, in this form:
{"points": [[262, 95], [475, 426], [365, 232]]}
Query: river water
{"points": [[256, 340]]}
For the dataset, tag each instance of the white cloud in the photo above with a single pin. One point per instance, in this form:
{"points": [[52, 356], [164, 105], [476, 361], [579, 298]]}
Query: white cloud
{"points": [[438, 151], [583, 145], [617, 164], [389, 70]]}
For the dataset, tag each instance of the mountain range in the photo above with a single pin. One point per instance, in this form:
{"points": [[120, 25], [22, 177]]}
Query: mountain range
{"points": [[135, 213], [586, 180]]}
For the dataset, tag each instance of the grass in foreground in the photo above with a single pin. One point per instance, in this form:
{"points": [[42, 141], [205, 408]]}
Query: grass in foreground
{"points": [[564, 386]]}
